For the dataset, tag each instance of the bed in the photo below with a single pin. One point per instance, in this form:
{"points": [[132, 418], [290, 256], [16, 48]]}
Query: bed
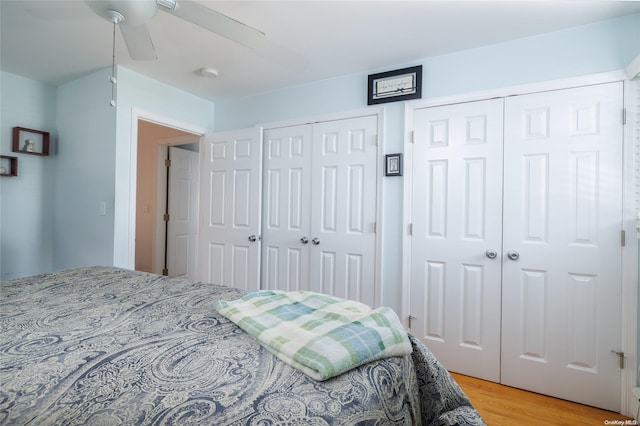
{"points": [[110, 346]]}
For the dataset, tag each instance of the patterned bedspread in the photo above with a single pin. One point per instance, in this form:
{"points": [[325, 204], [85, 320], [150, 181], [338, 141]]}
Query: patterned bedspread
{"points": [[108, 346]]}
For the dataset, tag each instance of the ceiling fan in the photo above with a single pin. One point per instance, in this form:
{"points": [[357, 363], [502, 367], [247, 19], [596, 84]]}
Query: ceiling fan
{"points": [[132, 18]]}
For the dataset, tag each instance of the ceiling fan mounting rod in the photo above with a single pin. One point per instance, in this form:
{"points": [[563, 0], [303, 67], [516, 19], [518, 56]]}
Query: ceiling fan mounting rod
{"points": [[113, 80], [167, 4], [114, 16]]}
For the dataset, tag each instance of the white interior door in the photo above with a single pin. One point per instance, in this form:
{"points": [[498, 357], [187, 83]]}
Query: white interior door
{"points": [[343, 208], [231, 180], [457, 223], [320, 208], [287, 208], [563, 219], [182, 227]]}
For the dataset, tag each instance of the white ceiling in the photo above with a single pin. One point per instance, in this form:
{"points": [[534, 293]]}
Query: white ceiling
{"points": [[57, 41]]}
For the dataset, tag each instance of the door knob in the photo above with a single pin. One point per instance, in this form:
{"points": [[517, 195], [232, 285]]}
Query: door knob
{"points": [[252, 238], [491, 254], [316, 241], [304, 240], [513, 255]]}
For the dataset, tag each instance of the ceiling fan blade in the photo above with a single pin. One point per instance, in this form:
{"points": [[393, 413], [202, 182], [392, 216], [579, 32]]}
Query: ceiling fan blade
{"points": [[236, 31], [139, 43], [216, 22]]}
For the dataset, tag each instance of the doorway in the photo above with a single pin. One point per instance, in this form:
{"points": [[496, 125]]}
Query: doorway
{"points": [[151, 193]]}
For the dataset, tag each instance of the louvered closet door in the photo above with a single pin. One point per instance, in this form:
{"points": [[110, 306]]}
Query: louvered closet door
{"points": [[457, 224], [563, 218], [286, 205]]}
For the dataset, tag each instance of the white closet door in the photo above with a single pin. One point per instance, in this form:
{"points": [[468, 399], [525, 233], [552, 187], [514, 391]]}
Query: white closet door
{"points": [[182, 228], [229, 249], [457, 223], [563, 218], [287, 208], [343, 208]]}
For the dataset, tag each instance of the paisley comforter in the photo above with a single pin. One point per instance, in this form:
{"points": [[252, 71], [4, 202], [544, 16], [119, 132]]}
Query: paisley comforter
{"points": [[109, 346]]}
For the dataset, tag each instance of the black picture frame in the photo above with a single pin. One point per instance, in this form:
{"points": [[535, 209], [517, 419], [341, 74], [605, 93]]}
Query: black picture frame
{"points": [[393, 165], [398, 85]]}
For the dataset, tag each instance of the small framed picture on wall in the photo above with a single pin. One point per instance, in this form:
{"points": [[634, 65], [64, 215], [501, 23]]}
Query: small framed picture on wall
{"points": [[393, 165]]}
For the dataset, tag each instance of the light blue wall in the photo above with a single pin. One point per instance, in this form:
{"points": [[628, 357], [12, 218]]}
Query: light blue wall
{"points": [[144, 96], [26, 201], [600, 47], [50, 215], [84, 170]]}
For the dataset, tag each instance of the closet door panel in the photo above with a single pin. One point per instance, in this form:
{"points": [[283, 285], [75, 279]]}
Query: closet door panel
{"points": [[343, 208], [286, 204], [562, 207], [230, 191], [457, 221]]}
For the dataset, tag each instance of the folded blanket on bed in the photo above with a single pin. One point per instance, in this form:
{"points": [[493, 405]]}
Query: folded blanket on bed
{"points": [[321, 335]]}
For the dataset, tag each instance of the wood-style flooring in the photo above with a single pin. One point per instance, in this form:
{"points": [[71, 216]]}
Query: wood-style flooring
{"points": [[504, 405]]}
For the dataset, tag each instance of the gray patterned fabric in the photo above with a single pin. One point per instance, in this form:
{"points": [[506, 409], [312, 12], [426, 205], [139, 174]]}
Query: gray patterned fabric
{"points": [[108, 346]]}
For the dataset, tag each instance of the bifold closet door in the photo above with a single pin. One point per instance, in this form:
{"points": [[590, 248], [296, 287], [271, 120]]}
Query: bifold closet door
{"points": [[320, 208], [457, 234], [562, 230]]}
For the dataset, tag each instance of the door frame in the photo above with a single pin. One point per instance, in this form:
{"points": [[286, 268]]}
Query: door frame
{"points": [[379, 112], [138, 114], [629, 302]]}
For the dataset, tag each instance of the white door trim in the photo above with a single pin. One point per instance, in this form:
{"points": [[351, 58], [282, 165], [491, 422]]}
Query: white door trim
{"points": [[522, 89], [631, 213], [323, 117], [630, 250], [379, 112]]}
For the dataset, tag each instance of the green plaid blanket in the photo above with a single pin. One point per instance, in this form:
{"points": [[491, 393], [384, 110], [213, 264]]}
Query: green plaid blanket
{"points": [[321, 335]]}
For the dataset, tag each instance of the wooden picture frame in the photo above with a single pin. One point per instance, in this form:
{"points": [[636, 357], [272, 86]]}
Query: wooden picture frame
{"points": [[30, 141], [8, 165], [398, 85]]}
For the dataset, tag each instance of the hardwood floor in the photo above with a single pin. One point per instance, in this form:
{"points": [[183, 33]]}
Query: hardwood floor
{"points": [[503, 405]]}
